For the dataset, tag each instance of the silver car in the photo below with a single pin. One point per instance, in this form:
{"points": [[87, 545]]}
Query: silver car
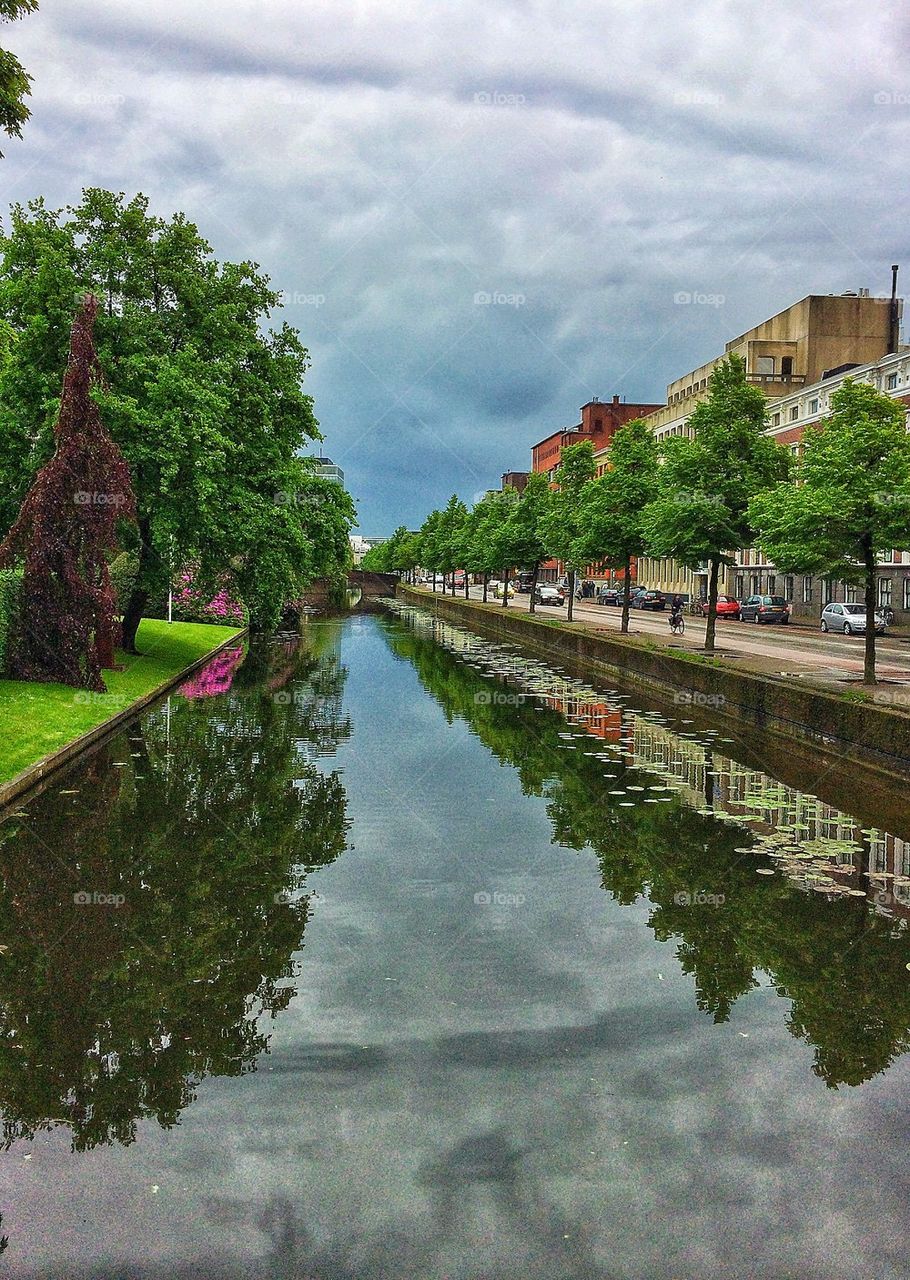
{"points": [[850, 619]]}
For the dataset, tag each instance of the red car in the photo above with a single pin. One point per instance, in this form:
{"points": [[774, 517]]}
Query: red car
{"points": [[727, 607]]}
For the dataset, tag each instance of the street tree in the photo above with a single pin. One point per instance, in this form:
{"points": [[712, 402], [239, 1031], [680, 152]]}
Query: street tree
{"points": [[499, 533], [561, 525], [611, 508], [528, 520], [708, 478], [14, 79], [449, 530], [851, 500], [66, 532], [204, 401]]}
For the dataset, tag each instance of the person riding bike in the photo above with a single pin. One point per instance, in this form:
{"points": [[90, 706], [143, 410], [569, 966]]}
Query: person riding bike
{"points": [[676, 614]]}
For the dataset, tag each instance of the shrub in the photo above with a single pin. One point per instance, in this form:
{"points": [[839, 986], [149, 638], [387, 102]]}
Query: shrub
{"points": [[191, 604], [124, 570], [10, 589]]}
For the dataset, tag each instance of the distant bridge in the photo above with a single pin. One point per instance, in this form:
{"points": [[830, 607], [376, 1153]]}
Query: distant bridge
{"points": [[371, 586]]}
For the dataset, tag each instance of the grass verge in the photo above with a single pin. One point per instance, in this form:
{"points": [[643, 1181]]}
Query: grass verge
{"points": [[37, 719]]}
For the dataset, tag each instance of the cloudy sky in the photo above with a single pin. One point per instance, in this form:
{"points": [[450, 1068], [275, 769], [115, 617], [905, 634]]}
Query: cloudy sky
{"points": [[483, 214]]}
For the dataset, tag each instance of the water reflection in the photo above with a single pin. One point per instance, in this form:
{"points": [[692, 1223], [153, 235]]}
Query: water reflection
{"points": [[676, 821], [152, 903]]}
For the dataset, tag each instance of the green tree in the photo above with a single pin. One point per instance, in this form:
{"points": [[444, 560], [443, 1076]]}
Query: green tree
{"points": [[448, 537], [205, 404], [611, 507], [851, 499], [527, 523], [561, 525], [708, 479], [14, 79], [431, 552], [497, 532]]}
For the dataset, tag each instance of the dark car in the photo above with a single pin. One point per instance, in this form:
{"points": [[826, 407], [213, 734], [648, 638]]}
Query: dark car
{"points": [[525, 581], [651, 600], [609, 595], [765, 609]]}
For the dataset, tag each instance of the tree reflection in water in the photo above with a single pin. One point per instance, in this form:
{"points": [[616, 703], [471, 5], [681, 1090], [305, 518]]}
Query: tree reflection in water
{"points": [[842, 966], [198, 827]]}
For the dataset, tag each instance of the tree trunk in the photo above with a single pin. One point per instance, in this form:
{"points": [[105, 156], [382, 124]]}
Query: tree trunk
{"points": [[570, 603], [486, 579], [869, 653], [505, 589], [467, 586], [713, 569], [452, 583], [533, 604], [626, 594], [434, 581], [139, 598]]}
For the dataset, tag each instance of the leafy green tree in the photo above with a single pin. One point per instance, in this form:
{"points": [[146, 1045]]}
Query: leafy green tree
{"points": [[527, 524], [448, 534], [497, 532], [431, 544], [611, 507], [14, 79], [708, 479], [205, 404], [561, 523], [851, 500], [476, 548]]}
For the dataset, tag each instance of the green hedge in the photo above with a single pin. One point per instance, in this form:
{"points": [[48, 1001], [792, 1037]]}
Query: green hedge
{"points": [[10, 586]]}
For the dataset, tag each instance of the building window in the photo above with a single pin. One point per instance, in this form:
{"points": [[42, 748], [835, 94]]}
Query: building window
{"points": [[740, 588], [756, 583], [772, 584], [907, 592], [891, 381], [764, 364], [813, 405], [884, 592], [786, 367], [851, 593], [788, 587], [775, 419], [828, 586], [807, 590], [794, 412]]}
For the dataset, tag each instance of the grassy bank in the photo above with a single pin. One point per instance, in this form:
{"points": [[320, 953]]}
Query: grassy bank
{"points": [[37, 719]]}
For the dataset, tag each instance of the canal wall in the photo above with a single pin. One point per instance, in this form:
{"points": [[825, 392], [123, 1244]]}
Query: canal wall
{"points": [[836, 727]]}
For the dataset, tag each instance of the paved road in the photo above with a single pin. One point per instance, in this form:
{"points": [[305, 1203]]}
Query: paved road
{"points": [[795, 648]]}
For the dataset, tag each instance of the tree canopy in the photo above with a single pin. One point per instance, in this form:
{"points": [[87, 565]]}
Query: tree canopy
{"points": [[14, 79]]}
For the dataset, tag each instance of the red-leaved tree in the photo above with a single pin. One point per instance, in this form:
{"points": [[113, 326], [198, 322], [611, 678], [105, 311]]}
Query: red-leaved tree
{"points": [[64, 532]]}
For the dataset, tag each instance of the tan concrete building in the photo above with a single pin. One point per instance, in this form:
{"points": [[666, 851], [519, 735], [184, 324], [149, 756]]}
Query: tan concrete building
{"points": [[817, 336]]}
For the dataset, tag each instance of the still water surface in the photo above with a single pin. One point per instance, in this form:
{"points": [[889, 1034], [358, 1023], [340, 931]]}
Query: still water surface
{"points": [[405, 957]]}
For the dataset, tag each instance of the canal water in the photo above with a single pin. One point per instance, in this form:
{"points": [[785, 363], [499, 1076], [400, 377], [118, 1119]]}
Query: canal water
{"points": [[390, 953]]}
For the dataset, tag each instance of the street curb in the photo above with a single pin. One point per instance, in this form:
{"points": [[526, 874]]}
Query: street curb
{"points": [[41, 772]]}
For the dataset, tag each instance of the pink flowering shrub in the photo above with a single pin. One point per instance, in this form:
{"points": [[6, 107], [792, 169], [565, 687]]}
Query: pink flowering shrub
{"points": [[193, 605]]}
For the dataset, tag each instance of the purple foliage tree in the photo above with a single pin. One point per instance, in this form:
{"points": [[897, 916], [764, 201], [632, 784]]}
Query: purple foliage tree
{"points": [[64, 532]]}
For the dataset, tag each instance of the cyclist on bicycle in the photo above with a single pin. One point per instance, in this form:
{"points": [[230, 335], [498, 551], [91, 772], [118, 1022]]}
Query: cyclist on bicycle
{"points": [[676, 612]]}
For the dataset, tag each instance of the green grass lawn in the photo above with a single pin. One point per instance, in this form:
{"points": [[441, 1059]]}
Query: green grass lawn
{"points": [[36, 719]]}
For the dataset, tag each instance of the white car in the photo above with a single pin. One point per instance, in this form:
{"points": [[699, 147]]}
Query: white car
{"points": [[548, 594], [850, 619]]}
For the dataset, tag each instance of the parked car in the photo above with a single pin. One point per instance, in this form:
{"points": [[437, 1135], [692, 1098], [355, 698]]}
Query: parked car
{"points": [[609, 595], [635, 595], [546, 593], [765, 609], [727, 607], [850, 619], [650, 600], [525, 579]]}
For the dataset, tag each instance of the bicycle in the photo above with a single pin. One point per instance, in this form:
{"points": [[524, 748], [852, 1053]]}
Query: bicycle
{"points": [[888, 615], [677, 624]]}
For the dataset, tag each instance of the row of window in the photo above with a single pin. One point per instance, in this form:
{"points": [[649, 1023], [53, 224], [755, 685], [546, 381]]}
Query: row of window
{"points": [[852, 594]]}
